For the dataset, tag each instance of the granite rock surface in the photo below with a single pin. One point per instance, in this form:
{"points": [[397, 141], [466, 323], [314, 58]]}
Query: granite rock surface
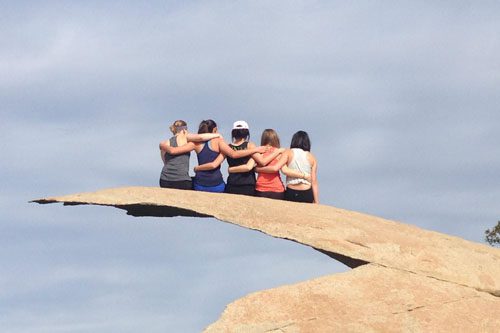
{"points": [[404, 278]]}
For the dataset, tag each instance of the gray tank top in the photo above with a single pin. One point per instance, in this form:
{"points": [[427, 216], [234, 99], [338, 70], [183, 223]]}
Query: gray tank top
{"points": [[176, 167]]}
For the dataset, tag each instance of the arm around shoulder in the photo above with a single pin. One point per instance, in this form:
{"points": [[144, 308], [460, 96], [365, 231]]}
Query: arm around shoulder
{"points": [[201, 137], [314, 179], [211, 165], [249, 166], [165, 146]]}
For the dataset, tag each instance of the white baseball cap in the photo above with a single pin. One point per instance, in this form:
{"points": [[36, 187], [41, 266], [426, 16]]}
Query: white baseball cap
{"points": [[240, 124]]}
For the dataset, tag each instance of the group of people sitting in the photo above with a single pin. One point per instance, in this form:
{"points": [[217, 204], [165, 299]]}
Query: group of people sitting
{"points": [[244, 159]]}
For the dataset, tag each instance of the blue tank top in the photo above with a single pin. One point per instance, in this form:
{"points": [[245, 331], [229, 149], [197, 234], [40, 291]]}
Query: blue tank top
{"points": [[209, 177]]}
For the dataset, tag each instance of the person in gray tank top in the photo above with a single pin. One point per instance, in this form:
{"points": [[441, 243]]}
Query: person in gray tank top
{"points": [[175, 171]]}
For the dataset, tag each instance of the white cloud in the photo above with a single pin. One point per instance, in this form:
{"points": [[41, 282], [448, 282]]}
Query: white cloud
{"points": [[401, 102]]}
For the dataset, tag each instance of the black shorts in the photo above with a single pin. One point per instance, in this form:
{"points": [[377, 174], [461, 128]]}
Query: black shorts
{"points": [[271, 195], [180, 185], [299, 196], [240, 189]]}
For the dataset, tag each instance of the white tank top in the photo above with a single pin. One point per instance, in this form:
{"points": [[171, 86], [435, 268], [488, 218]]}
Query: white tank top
{"points": [[301, 164]]}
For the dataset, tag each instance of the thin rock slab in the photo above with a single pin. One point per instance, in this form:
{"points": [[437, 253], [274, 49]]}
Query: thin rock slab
{"points": [[351, 237]]}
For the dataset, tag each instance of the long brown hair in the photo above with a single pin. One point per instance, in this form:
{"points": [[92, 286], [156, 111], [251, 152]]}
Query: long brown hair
{"points": [[270, 137]]}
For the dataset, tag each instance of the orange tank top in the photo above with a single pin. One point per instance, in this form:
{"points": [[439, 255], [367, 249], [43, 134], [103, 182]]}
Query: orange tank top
{"points": [[269, 182]]}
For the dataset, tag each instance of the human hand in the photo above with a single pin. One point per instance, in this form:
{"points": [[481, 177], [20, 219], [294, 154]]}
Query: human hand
{"points": [[281, 150], [262, 149], [307, 177]]}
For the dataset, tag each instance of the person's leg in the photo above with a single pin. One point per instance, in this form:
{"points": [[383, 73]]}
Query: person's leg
{"points": [[186, 185], [307, 196], [290, 195], [179, 185], [246, 190], [260, 194], [271, 195], [299, 196], [240, 189], [198, 187], [219, 188], [276, 195], [214, 189]]}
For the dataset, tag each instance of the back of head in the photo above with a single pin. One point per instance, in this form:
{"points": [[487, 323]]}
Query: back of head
{"points": [[240, 130], [207, 126], [270, 137], [237, 134], [178, 126], [301, 140]]}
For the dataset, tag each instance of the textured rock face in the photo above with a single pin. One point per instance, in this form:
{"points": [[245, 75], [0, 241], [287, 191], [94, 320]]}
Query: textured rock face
{"points": [[369, 298], [407, 278]]}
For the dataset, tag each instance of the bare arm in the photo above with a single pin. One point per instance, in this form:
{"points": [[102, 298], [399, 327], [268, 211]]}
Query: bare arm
{"points": [[226, 150], [191, 137], [211, 165], [282, 160], [263, 161], [282, 164], [242, 168], [314, 181], [162, 154], [165, 147], [295, 173]]}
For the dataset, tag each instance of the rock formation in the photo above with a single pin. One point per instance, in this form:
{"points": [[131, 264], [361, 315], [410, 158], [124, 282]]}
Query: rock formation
{"points": [[404, 278]]}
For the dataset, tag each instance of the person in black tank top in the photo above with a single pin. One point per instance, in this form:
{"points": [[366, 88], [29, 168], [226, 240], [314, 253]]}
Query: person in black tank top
{"points": [[240, 182]]}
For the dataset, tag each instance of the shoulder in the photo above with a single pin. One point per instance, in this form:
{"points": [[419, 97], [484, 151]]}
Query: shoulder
{"points": [[311, 157], [216, 141], [164, 144], [251, 145], [285, 154], [197, 146], [214, 144]]}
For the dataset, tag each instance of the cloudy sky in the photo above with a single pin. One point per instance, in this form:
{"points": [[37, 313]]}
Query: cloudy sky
{"points": [[401, 100]]}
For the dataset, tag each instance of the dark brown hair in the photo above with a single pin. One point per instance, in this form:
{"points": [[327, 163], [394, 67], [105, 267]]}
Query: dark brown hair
{"points": [[301, 140], [207, 126], [240, 133]]}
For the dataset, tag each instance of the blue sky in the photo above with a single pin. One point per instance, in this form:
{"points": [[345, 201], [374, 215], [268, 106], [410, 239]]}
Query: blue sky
{"points": [[400, 99]]}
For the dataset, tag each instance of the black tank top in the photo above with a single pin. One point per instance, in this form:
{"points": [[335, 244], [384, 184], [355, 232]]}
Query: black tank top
{"points": [[240, 178]]}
